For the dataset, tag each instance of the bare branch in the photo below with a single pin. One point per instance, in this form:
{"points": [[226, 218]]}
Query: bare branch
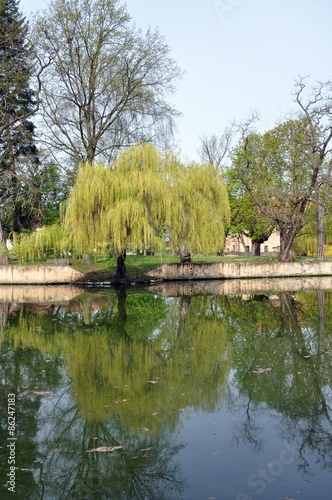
{"points": [[216, 150]]}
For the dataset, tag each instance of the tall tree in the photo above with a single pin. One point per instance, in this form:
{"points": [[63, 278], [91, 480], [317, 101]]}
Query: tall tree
{"points": [[273, 168], [108, 83], [323, 192], [18, 151], [200, 209], [285, 168], [317, 111], [246, 217]]}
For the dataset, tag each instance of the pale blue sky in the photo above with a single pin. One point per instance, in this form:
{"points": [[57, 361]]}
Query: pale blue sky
{"points": [[239, 56]]}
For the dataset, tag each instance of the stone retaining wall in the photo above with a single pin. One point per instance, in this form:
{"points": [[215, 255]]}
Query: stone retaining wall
{"points": [[227, 270], [42, 274]]}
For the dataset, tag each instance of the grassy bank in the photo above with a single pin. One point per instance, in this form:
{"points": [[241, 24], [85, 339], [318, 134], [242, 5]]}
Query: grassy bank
{"points": [[102, 268]]}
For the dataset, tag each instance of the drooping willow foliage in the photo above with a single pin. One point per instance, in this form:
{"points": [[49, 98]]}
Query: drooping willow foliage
{"points": [[145, 200], [37, 244], [200, 210]]}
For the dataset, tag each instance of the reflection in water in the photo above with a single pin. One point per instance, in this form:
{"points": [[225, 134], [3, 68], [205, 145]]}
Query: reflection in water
{"points": [[3, 315], [131, 369], [288, 368]]}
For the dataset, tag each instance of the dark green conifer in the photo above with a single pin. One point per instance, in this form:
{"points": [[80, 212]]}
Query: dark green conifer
{"points": [[19, 205]]}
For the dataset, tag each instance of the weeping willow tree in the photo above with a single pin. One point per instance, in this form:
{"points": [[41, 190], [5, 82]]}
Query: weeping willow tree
{"points": [[145, 201], [120, 207], [200, 211]]}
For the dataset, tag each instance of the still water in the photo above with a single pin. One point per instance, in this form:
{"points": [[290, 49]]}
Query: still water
{"points": [[162, 394]]}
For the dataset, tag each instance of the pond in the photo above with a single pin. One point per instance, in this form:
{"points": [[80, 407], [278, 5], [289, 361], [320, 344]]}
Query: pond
{"points": [[161, 393]]}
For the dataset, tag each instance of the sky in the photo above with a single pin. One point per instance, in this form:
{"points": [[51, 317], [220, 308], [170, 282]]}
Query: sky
{"points": [[238, 56]]}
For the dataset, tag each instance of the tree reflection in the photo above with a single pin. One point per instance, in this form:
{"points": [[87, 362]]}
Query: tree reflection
{"points": [[289, 369], [124, 386], [3, 315], [321, 321], [122, 312], [145, 466], [161, 373], [124, 380], [23, 373]]}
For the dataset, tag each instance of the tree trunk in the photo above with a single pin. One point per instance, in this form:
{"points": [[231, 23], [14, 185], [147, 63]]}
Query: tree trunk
{"points": [[3, 250], [257, 248], [243, 243], [2, 238], [121, 266], [321, 204], [321, 322], [287, 236], [285, 251], [185, 255], [320, 230]]}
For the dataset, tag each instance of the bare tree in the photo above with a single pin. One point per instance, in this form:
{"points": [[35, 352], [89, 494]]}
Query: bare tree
{"points": [[108, 84], [317, 110], [216, 150]]}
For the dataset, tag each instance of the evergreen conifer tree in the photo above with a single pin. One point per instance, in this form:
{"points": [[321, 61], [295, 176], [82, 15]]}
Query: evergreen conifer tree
{"points": [[19, 203]]}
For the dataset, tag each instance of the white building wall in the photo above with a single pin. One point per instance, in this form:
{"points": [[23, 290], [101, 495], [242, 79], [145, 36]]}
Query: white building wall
{"points": [[244, 244]]}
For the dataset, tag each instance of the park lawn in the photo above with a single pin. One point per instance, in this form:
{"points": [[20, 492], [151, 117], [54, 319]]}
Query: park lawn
{"points": [[103, 267]]}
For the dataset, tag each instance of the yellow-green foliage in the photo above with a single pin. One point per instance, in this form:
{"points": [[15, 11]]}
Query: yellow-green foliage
{"points": [[37, 244], [200, 209], [142, 201], [187, 364], [308, 244], [86, 217], [328, 250]]}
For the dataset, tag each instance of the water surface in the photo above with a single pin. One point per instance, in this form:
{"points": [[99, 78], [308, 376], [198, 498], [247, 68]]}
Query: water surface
{"points": [[134, 394]]}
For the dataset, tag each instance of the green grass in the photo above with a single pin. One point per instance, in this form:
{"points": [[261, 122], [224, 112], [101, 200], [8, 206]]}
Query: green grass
{"points": [[138, 265]]}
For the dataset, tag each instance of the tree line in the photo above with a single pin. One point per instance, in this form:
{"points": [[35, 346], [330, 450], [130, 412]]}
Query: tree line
{"points": [[281, 179], [146, 201], [82, 82], [85, 106]]}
